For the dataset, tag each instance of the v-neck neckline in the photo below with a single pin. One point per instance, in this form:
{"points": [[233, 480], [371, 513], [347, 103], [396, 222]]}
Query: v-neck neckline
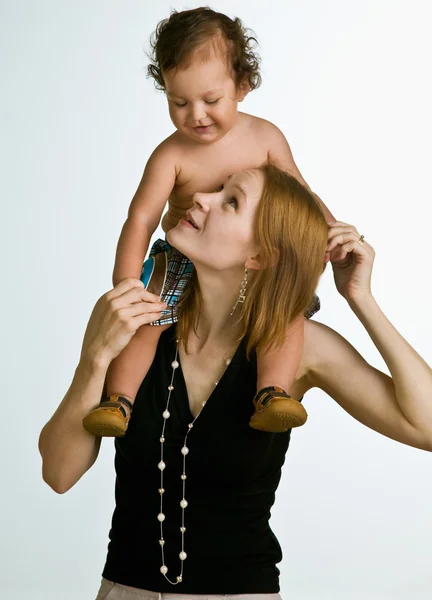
{"points": [[213, 392]]}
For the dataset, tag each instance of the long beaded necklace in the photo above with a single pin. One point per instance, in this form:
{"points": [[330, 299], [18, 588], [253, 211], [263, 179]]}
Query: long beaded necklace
{"points": [[162, 465]]}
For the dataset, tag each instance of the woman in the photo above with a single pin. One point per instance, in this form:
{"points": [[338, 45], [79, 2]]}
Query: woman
{"points": [[195, 485]]}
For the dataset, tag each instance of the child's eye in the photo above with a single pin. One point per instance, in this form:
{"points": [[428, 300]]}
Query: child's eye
{"points": [[220, 188], [233, 201], [213, 101], [179, 105]]}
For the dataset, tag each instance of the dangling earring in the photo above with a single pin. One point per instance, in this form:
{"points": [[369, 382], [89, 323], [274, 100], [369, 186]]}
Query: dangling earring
{"points": [[242, 294]]}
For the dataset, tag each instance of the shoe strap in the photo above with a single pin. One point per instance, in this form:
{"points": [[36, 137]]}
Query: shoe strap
{"points": [[265, 395], [116, 401]]}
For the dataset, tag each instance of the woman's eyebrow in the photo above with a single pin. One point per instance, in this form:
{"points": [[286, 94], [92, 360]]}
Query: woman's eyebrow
{"points": [[237, 186]]}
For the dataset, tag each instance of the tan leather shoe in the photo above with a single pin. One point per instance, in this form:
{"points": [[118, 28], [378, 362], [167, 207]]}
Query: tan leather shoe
{"points": [[275, 411], [110, 418]]}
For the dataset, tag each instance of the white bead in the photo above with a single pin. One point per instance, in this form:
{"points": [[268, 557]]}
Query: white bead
{"points": [[161, 491], [162, 542], [174, 364], [227, 362], [164, 570], [182, 529], [161, 517], [183, 477], [185, 450], [190, 425], [161, 465], [183, 555], [216, 382], [162, 439], [166, 414], [179, 578], [170, 387], [183, 503]]}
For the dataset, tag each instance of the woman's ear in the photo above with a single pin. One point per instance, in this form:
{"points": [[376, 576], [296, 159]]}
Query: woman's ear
{"points": [[254, 263], [257, 263]]}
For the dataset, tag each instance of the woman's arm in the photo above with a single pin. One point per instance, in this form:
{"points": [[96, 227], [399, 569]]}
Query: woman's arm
{"points": [[67, 449], [399, 406]]}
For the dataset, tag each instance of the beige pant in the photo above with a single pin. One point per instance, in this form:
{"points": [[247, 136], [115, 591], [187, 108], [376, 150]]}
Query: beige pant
{"points": [[116, 591]]}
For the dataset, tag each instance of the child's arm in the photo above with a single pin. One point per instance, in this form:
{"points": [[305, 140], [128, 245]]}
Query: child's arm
{"points": [[280, 153], [145, 212]]}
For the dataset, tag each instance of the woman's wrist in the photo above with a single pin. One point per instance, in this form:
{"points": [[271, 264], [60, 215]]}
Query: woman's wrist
{"points": [[94, 362], [362, 303]]}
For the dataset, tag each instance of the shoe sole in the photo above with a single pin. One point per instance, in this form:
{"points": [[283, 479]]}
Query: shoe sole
{"points": [[104, 425], [279, 416]]}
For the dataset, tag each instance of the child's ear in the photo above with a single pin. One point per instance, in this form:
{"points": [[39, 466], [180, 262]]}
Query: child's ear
{"points": [[243, 90]]}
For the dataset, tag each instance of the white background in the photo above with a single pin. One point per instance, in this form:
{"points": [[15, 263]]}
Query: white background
{"points": [[349, 84]]}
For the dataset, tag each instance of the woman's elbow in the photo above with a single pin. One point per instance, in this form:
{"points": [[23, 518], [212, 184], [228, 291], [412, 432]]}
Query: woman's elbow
{"points": [[55, 485], [59, 480]]}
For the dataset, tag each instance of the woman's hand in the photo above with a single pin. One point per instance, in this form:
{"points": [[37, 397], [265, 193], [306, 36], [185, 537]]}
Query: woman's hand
{"points": [[351, 260], [116, 317]]}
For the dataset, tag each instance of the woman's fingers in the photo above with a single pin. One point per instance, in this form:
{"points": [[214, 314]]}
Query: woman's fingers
{"points": [[139, 308], [146, 319], [135, 306], [131, 288], [342, 235], [127, 292], [124, 286], [351, 246]]}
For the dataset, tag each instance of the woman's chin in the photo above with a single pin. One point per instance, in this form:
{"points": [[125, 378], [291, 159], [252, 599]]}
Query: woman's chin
{"points": [[174, 237]]}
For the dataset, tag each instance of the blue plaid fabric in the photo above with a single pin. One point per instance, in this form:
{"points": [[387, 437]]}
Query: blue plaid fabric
{"points": [[178, 273]]}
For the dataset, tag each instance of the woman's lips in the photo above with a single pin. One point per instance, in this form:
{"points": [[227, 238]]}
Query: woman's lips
{"points": [[186, 223]]}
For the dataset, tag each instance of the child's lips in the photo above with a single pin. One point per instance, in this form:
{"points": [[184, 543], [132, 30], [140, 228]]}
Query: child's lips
{"points": [[203, 128]]}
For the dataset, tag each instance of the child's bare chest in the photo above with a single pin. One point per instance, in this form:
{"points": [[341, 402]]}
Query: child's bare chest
{"points": [[205, 170]]}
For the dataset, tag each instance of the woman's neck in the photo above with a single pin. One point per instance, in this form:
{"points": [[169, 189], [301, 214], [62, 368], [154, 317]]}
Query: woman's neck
{"points": [[216, 326]]}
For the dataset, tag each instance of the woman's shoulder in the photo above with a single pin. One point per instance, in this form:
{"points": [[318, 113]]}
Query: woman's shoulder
{"points": [[325, 351]]}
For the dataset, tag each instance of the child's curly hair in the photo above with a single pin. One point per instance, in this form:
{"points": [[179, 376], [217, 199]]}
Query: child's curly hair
{"points": [[176, 38]]}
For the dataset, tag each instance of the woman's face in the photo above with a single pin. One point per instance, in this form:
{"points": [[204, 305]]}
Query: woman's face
{"points": [[218, 230]]}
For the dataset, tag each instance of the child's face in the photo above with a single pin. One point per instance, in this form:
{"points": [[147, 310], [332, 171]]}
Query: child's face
{"points": [[203, 99]]}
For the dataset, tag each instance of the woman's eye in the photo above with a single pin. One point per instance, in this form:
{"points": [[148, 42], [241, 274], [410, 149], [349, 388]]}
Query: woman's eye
{"points": [[220, 188], [179, 105], [233, 202], [212, 102]]}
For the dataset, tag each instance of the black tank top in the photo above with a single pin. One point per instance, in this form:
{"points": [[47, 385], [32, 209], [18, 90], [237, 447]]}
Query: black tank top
{"points": [[232, 475]]}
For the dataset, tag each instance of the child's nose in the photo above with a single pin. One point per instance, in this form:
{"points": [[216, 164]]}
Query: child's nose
{"points": [[198, 112]]}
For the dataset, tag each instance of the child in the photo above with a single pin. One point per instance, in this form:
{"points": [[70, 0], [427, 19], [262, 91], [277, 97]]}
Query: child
{"points": [[205, 64]]}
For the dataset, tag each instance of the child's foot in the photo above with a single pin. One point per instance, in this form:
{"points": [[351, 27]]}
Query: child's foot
{"points": [[110, 418], [276, 411]]}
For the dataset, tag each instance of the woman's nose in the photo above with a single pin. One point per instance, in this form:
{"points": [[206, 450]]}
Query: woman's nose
{"points": [[201, 201]]}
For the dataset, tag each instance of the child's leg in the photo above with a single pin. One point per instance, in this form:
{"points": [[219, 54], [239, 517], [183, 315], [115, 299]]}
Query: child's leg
{"points": [[277, 368], [124, 377]]}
